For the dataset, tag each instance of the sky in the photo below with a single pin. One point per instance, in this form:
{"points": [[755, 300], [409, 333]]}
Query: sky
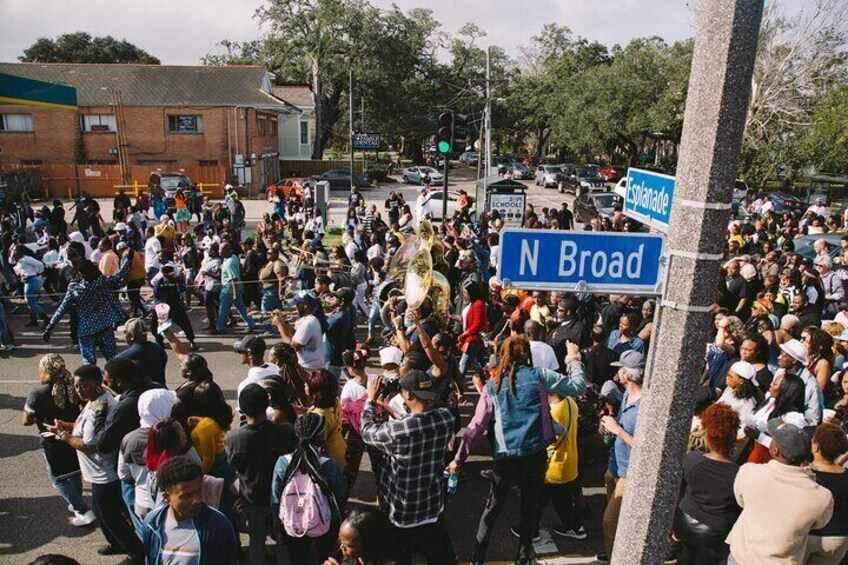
{"points": [[180, 32]]}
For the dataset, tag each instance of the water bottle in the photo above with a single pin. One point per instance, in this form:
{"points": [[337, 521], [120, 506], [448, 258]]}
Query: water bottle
{"points": [[453, 482]]}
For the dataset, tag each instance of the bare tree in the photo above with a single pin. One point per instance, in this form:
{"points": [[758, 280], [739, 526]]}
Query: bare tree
{"points": [[799, 58]]}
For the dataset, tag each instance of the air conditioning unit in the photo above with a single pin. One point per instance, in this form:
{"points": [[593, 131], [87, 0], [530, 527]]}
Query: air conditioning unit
{"points": [[113, 151]]}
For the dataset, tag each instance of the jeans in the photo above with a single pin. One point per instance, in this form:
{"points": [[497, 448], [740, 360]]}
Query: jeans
{"points": [[258, 526], [111, 512], [373, 316], [69, 487], [128, 494], [31, 288], [564, 498], [228, 300], [270, 300], [826, 550], [134, 295], [433, 540], [5, 337], [528, 474], [472, 355]]}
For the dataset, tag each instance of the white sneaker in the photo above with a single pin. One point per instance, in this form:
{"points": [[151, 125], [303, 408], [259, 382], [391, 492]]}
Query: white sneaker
{"points": [[8, 347], [86, 519]]}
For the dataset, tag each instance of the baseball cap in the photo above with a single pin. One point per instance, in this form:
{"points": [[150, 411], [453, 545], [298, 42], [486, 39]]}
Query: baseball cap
{"points": [[391, 355], [120, 226], [305, 297], [796, 350], [790, 439], [250, 344], [630, 359], [420, 384]]}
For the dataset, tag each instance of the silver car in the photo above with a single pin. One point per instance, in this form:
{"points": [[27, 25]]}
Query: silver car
{"points": [[415, 175], [520, 171], [546, 175]]}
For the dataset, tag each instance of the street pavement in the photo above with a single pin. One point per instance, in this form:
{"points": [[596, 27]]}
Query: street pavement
{"points": [[33, 518]]}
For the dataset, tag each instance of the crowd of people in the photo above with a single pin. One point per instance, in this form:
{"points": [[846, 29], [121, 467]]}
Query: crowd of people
{"points": [[177, 472]]}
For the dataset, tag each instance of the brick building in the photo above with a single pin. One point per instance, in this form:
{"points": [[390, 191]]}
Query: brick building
{"points": [[138, 117]]}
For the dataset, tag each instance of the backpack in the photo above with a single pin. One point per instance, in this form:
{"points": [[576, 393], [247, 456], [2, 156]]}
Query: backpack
{"points": [[305, 509]]}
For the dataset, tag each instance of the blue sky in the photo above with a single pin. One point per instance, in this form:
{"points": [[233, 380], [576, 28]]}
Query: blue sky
{"points": [[182, 31]]}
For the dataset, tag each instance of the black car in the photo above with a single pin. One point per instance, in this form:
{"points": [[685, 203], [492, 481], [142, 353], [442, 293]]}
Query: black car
{"points": [[785, 202], [340, 179], [580, 179], [592, 204]]}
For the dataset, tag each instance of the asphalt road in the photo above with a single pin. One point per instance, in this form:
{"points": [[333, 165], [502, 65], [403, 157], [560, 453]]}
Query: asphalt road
{"points": [[33, 518]]}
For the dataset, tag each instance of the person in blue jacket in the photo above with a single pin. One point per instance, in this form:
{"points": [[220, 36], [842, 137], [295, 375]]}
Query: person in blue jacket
{"points": [[515, 399], [186, 530]]}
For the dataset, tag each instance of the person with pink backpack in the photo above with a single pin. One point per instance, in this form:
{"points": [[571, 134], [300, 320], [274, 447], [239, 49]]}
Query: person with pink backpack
{"points": [[307, 493]]}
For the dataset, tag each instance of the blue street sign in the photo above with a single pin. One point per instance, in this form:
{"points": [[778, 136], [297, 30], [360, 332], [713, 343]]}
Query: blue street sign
{"points": [[648, 198], [599, 262]]}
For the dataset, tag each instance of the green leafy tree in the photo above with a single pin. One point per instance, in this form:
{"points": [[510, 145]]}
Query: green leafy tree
{"points": [[80, 47], [825, 142]]}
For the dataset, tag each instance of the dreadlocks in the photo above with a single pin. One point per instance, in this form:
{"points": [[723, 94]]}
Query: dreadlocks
{"points": [[514, 353]]}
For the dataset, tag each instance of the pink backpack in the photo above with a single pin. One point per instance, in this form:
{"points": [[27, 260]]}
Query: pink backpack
{"points": [[304, 507]]}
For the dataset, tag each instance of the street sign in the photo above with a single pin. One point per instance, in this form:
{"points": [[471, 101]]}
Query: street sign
{"points": [[509, 206], [595, 262], [648, 198], [366, 141]]}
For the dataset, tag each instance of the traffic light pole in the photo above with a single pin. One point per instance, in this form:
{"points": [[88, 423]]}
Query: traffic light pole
{"points": [[445, 191]]}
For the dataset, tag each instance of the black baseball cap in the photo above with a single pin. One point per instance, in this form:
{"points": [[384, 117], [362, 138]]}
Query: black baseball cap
{"points": [[251, 344], [420, 384]]}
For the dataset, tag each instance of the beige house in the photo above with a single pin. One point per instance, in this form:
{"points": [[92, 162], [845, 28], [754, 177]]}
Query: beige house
{"points": [[296, 132]]}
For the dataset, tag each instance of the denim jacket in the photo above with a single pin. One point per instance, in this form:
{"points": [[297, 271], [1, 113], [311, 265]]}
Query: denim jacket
{"points": [[218, 542]]}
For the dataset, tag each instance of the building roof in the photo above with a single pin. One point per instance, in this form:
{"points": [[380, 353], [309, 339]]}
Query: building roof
{"points": [[298, 94], [159, 85]]}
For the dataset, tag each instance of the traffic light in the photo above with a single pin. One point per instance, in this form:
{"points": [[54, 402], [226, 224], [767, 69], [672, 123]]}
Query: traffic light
{"points": [[444, 137], [460, 132]]}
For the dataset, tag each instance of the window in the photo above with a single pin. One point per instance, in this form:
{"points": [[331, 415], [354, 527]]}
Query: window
{"points": [[208, 163], [30, 161], [260, 125], [16, 122], [156, 162], [185, 124], [304, 132], [273, 128], [97, 122]]}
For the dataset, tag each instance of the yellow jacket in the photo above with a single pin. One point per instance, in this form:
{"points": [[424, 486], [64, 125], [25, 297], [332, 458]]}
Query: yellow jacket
{"points": [[562, 455], [336, 446]]}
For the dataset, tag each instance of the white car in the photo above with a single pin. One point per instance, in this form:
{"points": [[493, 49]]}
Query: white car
{"points": [[415, 175], [546, 175], [621, 187], [436, 203]]}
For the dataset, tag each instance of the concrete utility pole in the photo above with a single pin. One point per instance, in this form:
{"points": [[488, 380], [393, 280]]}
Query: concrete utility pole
{"points": [[719, 88]]}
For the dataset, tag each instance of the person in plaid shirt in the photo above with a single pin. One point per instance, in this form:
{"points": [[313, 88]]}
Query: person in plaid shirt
{"points": [[411, 490]]}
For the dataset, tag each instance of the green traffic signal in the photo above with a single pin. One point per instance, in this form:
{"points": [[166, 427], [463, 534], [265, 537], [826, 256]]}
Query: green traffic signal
{"points": [[444, 147]]}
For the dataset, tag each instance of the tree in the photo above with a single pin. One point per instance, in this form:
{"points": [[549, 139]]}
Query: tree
{"points": [[825, 142], [80, 47], [799, 61]]}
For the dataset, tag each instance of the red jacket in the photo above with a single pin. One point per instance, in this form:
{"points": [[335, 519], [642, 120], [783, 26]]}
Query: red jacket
{"points": [[476, 322]]}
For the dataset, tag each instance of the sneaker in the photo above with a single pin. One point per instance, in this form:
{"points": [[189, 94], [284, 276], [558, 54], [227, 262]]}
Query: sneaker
{"points": [[579, 533], [515, 532], [80, 520], [109, 549], [8, 347], [488, 474], [525, 561], [602, 557]]}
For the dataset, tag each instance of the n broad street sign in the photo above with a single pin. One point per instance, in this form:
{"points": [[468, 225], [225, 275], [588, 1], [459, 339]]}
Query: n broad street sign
{"points": [[648, 198], [596, 262], [367, 141]]}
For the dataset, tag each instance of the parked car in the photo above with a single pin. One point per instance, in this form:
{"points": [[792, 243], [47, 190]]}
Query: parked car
{"points": [[804, 244], [289, 186], [740, 190], [612, 174], [546, 175], [339, 179], [415, 175], [470, 158], [453, 203], [592, 204], [168, 183], [520, 171], [580, 179], [785, 202]]}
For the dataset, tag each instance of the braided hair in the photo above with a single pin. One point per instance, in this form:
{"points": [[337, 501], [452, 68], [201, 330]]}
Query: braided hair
{"points": [[309, 430]]}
